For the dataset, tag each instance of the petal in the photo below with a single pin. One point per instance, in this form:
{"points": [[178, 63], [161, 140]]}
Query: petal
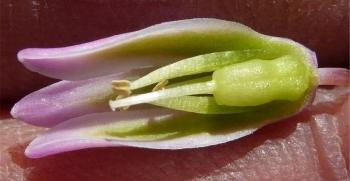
{"points": [[154, 46], [156, 129], [67, 99], [78, 133]]}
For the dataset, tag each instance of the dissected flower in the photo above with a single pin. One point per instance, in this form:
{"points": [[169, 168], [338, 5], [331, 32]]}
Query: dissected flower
{"points": [[204, 82]]}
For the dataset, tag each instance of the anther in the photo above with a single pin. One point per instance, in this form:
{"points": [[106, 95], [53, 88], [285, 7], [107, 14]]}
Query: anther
{"points": [[121, 87], [160, 86], [121, 83], [123, 91]]}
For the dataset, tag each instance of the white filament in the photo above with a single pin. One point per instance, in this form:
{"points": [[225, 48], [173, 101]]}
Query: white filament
{"points": [[190, 89]]}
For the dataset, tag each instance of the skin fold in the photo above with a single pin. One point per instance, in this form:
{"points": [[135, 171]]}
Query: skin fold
{"points": [[270, 153]]}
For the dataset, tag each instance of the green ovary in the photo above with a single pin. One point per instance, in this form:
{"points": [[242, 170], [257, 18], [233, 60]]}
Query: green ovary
{"points": [[257, 82]]}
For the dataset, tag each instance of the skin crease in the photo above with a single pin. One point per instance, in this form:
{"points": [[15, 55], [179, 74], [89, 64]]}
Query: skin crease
{"points": [[321, 25]]}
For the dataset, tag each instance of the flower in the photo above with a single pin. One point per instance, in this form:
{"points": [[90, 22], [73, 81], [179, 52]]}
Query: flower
{"points": [[77, 107]]}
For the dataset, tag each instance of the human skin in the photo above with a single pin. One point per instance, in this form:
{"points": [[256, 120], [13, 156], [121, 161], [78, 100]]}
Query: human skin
{"points": [[320, 25]]}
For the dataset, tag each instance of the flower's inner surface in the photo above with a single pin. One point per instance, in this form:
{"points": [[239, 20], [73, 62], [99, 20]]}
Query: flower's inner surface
{"points": [[250, 71], [237, 82], [257, 86]]}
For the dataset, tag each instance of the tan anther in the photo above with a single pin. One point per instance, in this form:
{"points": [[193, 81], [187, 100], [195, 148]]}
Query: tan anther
{"points": [[121, 83], [121, 87], [160, 86], [123, 91]]}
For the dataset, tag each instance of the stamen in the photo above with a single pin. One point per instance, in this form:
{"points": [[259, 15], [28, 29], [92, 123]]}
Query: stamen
{"points": [[160, 86], [122, 88], [184, 90]]}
